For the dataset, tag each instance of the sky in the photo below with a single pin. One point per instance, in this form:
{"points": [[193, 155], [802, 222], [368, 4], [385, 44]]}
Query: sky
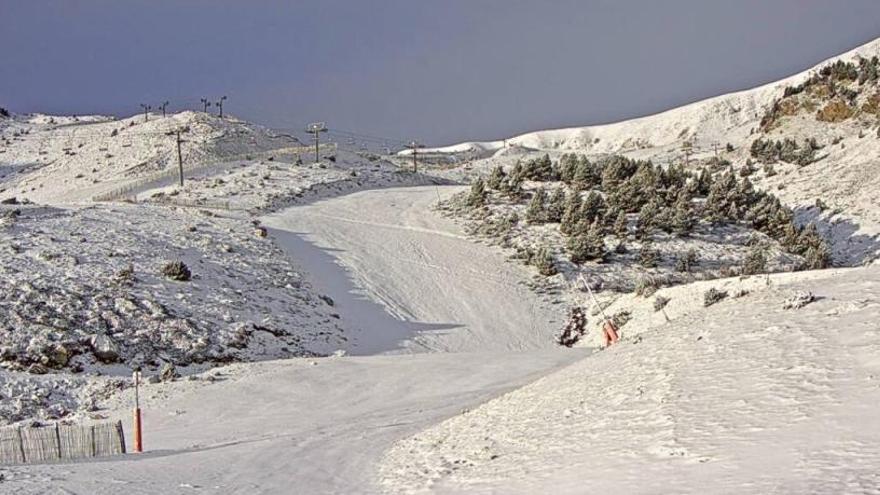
{"points": [[437, 71]]}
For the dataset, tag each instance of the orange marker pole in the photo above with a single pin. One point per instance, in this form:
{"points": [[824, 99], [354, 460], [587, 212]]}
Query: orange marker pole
{"points": [[138, 434]]}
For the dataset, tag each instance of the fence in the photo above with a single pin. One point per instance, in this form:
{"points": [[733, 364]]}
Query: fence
{"points": [[60, 442], [171, 173]]}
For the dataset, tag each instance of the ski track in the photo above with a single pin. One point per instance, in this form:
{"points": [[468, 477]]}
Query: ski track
{"points": [[415, 288]]}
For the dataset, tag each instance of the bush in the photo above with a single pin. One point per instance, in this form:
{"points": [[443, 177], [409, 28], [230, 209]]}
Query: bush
{"points": [[646, 286], [835, 111], [177, 270], [4, 112], [574, 329], [660, 302], [543, 261], [648, 256], [713, 296], [687, 261]]}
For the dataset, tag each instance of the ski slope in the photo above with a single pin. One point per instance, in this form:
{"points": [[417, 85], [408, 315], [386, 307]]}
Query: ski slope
{"points": [[418, 278], [407, 282]]}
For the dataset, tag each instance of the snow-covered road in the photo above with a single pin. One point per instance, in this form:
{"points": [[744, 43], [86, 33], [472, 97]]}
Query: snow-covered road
{"points": [[396, 271]]}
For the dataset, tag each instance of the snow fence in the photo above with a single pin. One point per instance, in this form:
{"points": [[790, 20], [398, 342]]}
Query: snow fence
{"points": [[60, 442]]}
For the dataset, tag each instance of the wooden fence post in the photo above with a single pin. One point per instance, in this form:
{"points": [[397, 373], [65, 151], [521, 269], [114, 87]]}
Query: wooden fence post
{"points": [[92, 439], [121, 435], [21, 444], [58, 439]]}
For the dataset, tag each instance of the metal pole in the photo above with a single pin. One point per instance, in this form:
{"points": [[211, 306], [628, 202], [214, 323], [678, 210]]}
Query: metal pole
{"points": [[179, 159], [138, 434]]}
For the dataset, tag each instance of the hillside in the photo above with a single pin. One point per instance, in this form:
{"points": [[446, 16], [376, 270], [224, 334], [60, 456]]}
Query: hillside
{"points": [[842, 177], [58, 159]]}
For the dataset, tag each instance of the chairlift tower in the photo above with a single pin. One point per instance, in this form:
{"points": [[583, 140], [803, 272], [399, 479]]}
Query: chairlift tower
{"points": [[414, 146], [219, 105], [317, 128], [147, 109]]}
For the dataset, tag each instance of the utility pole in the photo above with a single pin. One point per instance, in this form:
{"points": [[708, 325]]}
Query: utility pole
{"points": [[146, 110], [414, 146], [687, 147], [206, 104], [220, 105], [163, 107], [179, 141], [316, 128]]}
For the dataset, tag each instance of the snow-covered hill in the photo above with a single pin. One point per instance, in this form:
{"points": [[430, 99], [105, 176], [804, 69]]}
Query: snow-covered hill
{"points": [[61, 160], [843, 179], [743, 397]]}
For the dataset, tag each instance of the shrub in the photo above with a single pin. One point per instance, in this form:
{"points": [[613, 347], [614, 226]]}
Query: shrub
{"points": [[686, 262], [835, 111], [660, 302], [543, 261], [713, 296], [646, 286], [4, 112], [648, 256], [177, 270], [575, 327]]}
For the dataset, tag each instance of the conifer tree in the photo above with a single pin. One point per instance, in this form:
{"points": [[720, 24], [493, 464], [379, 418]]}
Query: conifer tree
{"points": [[572, 212], [621, 229], [535, 213], [589, 246], [556, 205], [496, 179], [477, 196]]}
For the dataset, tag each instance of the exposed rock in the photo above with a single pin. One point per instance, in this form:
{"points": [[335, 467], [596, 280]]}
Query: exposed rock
{"points": [[104, 348]]}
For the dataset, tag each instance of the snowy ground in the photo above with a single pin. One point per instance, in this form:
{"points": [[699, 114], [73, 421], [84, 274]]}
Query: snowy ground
{"points": [[742, 397], [321, 424], [436, 290]]}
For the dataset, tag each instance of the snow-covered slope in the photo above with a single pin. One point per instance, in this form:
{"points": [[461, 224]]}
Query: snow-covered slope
{"points": [[741, 397], [721, 119], [56, 160]]}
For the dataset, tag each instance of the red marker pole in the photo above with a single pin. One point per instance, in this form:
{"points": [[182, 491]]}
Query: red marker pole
{"points": [[138, 437]]}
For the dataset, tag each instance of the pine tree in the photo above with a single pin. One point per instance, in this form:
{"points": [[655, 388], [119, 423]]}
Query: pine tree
{"points": [[621, 229], [648, 256], [593, 207], [477, 196], [817, 253], [571, 214], [535, 213], [682, 222], [588, 246], [756, 259], [556, 206], [496, 179], [647, 218]]}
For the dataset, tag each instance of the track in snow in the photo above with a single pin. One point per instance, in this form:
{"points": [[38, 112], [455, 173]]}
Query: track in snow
{"points": [[405, 278]]}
